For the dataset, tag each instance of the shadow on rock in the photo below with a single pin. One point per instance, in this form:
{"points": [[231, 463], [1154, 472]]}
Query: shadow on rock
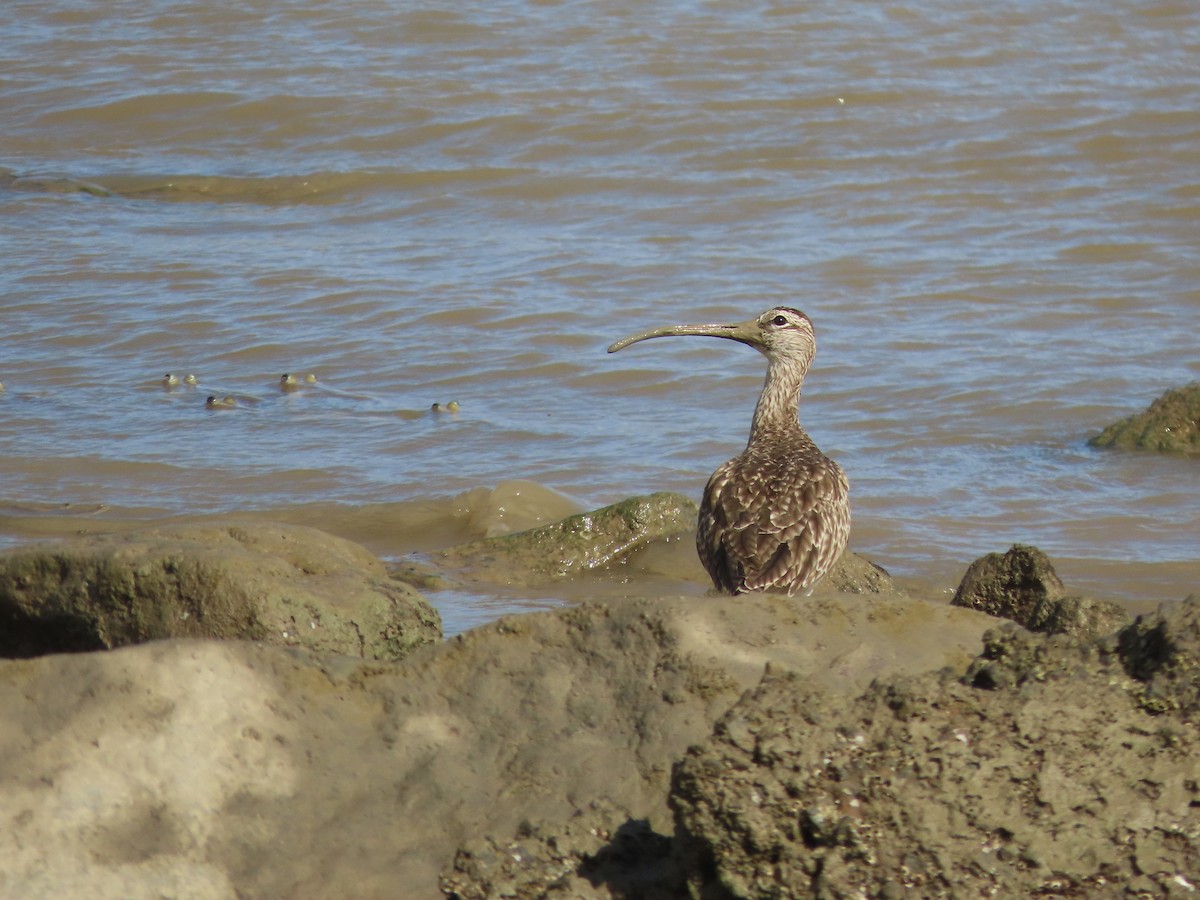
{"points": [[584, 858]]}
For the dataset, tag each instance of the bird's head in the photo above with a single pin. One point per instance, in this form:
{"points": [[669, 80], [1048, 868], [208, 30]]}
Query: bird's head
{"points": [[782, 334]]}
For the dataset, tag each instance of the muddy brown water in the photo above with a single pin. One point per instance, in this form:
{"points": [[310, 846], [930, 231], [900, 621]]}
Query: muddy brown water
{"points": [[991, 214]]}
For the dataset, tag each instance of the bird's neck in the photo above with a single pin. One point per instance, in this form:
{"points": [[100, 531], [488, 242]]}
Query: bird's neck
{"points": [[778, 406]]}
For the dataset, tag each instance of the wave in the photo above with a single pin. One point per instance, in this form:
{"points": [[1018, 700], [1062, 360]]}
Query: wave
{"points": [[317, 187]]}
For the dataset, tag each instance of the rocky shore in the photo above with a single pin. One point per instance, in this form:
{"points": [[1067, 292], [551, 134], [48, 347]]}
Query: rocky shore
{"points": [[258, 710]]}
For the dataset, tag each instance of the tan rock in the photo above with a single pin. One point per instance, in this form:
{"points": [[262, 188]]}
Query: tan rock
{"points": [[1043, 771], [281, 584], [215, 768]]}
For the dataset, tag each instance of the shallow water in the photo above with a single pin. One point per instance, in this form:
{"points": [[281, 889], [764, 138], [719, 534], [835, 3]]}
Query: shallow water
{"points": [[991, 214]]}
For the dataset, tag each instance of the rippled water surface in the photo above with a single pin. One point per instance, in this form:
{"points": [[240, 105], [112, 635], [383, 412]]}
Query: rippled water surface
{"points": [[992, 214]]}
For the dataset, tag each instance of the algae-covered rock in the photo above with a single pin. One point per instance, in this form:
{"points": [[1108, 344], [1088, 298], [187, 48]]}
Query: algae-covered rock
{"points": [[282, 584], [1170, 424], [1022, 586], [596, 541], [577, 544]]}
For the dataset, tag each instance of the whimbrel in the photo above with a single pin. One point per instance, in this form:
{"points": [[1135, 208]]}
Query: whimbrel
{"points": [[776, 517]]}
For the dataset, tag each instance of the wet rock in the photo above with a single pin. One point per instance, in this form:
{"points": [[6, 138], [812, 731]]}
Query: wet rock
{"points": [[1054, 779], [1022, 586], [580, 543], [280, 584], [227, 768], [646, 532], [1171, 424]]}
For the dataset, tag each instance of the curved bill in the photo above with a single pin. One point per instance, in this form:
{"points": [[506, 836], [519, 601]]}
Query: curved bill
{"points": [[746, 332]]}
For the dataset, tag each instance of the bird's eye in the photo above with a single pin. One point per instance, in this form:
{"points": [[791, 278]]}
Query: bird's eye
{"points": [[779, 320]]}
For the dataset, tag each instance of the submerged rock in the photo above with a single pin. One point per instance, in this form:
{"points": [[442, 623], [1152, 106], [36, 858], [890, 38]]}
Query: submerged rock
{"points": [[577, 544], [512, 505], [280, 584], [1170, 424], [597, 541], [1022, 586]]}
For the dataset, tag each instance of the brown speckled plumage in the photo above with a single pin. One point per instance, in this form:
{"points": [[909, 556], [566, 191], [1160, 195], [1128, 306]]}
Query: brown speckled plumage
{"points": [[776, 517]]}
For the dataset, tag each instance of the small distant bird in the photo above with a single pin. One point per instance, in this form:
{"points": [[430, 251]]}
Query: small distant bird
{"points": [[777, 517], [289, 383], [170, 381], [220, 403]]}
